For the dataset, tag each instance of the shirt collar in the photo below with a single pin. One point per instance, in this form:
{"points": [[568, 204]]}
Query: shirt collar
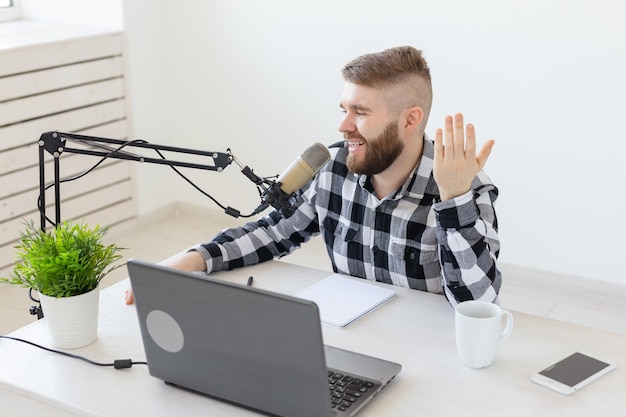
{"points": [[415, 185]]}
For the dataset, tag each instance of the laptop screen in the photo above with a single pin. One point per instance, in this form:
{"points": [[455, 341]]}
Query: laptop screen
{"points": [[251, 347]]}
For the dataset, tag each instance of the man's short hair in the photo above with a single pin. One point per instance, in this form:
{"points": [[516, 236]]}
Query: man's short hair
{"points": [[402, 71]]}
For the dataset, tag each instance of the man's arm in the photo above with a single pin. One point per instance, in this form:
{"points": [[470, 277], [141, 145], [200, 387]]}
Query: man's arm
{"points": [[185, 261], [468, 244], [466, 219], [267, 238]]}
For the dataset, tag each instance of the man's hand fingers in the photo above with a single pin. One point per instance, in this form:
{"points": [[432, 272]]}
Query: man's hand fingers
{"points": [[448, 139], [439, 145], [484, 153], [459, 135], [130, 297], [470, 141]]}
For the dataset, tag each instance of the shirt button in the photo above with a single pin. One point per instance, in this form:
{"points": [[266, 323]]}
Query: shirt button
{"points": [[412, 256]]}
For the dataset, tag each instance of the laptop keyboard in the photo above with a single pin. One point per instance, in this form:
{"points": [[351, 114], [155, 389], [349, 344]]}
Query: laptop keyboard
{"points": [[346, 390]]}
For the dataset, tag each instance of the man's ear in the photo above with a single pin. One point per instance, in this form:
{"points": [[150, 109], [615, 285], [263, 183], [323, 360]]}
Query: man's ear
{"points": [[414, 116]]}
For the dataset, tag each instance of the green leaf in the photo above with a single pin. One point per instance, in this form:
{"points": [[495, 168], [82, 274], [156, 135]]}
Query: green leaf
{"points": [[70, 259]]}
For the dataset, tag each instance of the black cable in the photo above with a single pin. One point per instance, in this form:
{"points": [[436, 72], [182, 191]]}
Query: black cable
{"points": [[36, 309], [229, 210], [104, 158], [117, 364], [30, 295]]}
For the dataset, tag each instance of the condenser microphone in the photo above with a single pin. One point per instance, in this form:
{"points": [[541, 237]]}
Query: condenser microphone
{"points": [[280, 193]]}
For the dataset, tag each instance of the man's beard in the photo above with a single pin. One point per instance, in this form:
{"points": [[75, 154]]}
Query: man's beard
{"points": [[380, 153]]}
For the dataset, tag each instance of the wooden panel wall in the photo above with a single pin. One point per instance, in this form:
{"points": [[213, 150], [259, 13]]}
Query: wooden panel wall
{"points": [[72, 83]]}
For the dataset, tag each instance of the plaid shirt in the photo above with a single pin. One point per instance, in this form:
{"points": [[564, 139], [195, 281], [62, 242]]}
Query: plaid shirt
{"points": [[409, 238]]}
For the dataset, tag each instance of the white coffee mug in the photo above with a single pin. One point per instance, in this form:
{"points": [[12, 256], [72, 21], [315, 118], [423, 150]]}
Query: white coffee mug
{"points": [[479, 328]]}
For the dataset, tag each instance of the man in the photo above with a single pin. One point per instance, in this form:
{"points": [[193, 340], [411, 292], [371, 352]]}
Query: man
{"points": [[391, 205]]}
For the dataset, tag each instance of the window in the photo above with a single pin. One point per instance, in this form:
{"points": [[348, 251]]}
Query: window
{"points": [[9, 10]]}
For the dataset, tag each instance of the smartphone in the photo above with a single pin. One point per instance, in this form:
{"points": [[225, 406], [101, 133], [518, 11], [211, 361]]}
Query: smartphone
{"points": [[574, 372]]}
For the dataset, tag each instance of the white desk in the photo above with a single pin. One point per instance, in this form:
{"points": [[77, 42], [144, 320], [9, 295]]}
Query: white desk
{"points": [[415, 329]]}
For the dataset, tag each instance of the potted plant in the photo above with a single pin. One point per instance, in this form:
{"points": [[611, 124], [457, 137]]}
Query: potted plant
{"points": [[65, 266]]}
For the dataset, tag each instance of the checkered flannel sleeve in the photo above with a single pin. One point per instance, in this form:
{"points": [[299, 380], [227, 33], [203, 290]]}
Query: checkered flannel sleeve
{"points": [[469, 244], [265, 239]]}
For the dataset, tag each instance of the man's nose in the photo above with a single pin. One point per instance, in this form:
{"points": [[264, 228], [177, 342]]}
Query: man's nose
{"points": [[347, 124]]}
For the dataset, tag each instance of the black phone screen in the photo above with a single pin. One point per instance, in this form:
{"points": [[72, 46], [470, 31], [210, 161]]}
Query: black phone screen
{"points": [[574, 369]]}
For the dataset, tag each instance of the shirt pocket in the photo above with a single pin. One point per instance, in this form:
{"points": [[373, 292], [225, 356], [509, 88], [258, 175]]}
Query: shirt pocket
{"points": [[413, 252], [340, 231], [419, 263]]}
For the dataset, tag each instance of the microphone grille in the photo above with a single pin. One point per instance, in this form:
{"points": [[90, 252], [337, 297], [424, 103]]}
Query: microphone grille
{"points": [[316, 156]]}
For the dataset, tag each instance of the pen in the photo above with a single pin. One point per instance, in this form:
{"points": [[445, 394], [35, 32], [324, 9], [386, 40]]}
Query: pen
{"points": [[249, 284]]}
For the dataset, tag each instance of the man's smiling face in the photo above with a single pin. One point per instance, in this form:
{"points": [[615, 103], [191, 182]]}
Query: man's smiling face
{"points": [[371, 134]]}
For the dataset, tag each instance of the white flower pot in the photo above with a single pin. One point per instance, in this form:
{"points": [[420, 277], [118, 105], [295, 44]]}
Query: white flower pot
{"points": [[72, 321]]}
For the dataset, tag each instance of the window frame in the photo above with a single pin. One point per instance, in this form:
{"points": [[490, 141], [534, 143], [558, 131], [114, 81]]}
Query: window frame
{"points": [[11, 12]]}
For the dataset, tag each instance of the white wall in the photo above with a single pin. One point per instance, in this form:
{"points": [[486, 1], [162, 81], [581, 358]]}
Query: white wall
{"points": [[545, 78], [100, 13]]}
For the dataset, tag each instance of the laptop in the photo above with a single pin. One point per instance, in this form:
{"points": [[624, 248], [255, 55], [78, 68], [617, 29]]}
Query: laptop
{"points": [[250, 347]]}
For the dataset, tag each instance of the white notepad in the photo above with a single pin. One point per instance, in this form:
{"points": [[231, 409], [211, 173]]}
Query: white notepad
{"points": [[342, 300]]}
